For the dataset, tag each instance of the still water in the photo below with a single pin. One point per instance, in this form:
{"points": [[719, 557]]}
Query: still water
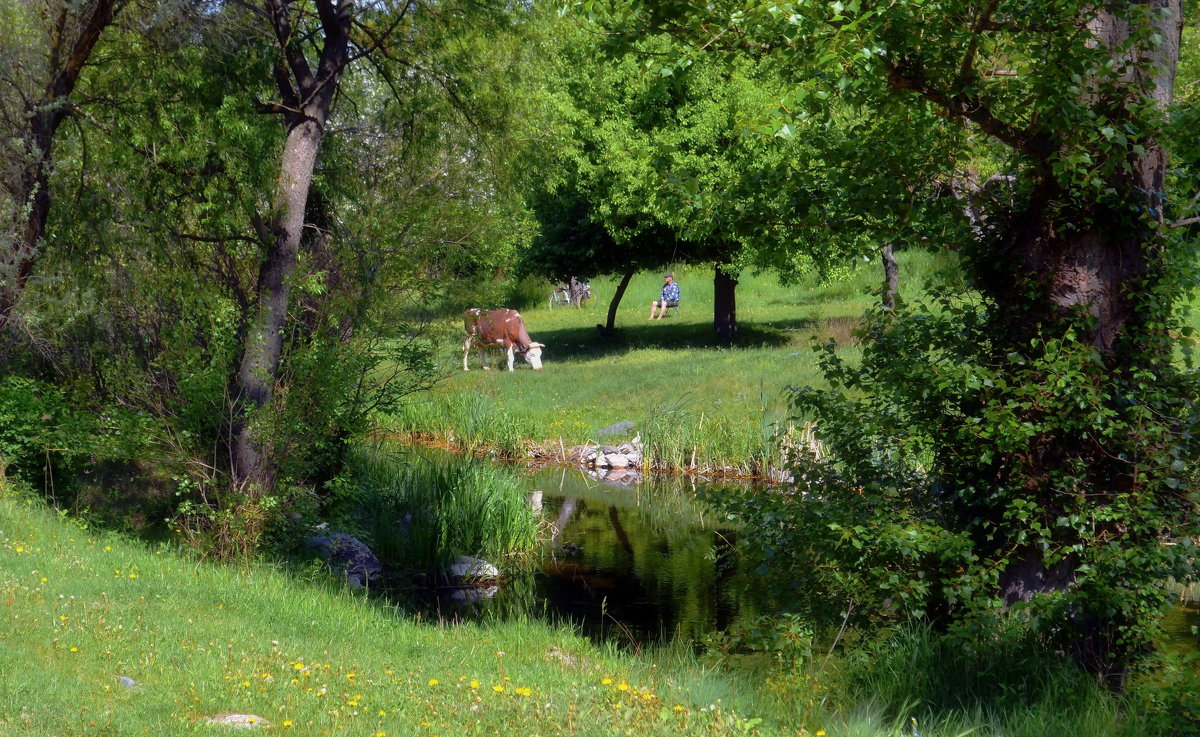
{"points": [[641, 563]]}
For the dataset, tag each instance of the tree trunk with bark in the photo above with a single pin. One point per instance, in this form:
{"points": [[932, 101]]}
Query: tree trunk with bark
{"points": [[71, 41], [609, 327], [891, 278], [307, 96], [724, 305]]}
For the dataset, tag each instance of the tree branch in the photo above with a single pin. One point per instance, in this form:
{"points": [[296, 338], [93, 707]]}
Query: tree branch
{"points": [[968, 62], [906, 75], [281, 22]]}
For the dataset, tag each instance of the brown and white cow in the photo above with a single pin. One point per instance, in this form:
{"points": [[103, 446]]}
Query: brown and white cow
{"points": [[502, 330]]}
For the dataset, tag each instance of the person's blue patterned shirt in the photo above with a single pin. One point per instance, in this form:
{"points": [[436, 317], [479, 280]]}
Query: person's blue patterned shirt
{"points": [[670, 292]]}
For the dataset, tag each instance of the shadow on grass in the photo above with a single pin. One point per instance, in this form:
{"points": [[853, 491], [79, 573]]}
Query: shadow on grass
{"points": [[586, 342]]}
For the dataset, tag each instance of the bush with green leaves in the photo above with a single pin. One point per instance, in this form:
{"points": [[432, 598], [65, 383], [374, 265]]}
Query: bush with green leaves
{"points": [[966, 483]]}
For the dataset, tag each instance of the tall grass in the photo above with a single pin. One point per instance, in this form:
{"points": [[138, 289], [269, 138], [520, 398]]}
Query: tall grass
{"points": [[419, 515], [1008, 685]]}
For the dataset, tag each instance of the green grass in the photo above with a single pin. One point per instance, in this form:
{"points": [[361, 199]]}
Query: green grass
{"points": [[698, 404], [418, 515], [81, 609], [199, 639]]}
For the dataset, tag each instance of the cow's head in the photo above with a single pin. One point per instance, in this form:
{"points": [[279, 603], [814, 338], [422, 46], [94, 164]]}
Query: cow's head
{"points": [[533, 355]]}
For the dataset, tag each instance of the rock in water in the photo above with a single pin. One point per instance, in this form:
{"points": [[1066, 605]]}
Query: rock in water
{"points": [[349, 556], [466, 568], [618, 460], [472, 595]]}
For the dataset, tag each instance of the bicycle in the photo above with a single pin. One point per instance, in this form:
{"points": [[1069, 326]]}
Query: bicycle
{"points": [[561, 296]]}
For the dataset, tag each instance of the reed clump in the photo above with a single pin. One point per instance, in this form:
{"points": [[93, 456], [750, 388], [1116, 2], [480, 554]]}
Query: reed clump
{"points": [[418, 515]]}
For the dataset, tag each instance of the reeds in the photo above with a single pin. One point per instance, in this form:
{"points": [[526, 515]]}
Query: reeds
{"points": [[419, 515]]}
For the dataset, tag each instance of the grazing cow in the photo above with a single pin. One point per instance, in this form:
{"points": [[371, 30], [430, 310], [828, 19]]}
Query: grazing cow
{"points": [[502, 330]]}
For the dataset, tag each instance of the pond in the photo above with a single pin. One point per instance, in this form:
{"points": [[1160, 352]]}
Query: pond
{"points": [[641, 563]]}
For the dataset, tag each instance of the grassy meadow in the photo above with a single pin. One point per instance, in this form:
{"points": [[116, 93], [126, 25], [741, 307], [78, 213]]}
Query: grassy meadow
{"points": [[697, 404]]}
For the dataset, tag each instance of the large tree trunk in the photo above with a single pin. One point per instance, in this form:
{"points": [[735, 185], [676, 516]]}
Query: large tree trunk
{"points": [[71, 41], [610, 327], [307, 97], [1061, 261], [1091, 268], [724, 305]]}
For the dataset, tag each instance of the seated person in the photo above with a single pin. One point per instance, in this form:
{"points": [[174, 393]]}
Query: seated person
{"points": [[670, 297]]}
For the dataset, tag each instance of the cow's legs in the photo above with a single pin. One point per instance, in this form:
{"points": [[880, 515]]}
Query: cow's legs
{"points": [[483, 360], [510, 358], [466, 352]]}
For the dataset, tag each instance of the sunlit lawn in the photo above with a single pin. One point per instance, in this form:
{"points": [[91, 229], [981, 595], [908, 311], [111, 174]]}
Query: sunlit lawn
{"points": [[723, 401]]}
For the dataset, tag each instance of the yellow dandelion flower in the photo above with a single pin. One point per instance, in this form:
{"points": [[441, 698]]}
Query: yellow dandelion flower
{"points": [[108, 547], [44, 579], [381, 733], [622, 686], [820, 733], [382, 713], [287, 722], [434, 681], [605, 681], [245, 683], [20, 549], [498, 689], [679, 707], [74, 649], [474, 684], [522, 691]]}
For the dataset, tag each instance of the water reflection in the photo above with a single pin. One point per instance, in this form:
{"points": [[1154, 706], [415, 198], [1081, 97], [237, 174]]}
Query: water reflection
{"points": [[640, 564]]}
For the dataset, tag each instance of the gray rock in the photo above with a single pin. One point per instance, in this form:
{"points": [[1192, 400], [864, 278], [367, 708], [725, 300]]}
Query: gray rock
{"points": [[348, 556], [466, 568], [127, 682], [617, 460], [619, 428]]}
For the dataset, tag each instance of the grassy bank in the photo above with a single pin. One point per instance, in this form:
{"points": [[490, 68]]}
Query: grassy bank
{"points": [[100, 635], [697, 404], [84, 610]]}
